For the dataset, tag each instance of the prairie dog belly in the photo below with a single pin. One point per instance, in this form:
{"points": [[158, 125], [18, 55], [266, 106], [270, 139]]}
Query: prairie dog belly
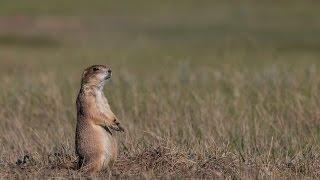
{"points": [[107, 144]]}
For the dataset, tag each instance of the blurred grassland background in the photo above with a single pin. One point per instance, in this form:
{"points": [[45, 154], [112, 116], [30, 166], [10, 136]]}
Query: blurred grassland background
{"points": [[204, 88]]}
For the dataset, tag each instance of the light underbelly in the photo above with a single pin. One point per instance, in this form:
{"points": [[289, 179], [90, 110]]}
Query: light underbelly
{"points": [[108, 145]]}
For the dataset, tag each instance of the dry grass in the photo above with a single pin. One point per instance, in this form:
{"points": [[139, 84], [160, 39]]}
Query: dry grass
{"points": [[226, 91], [235, 125]]}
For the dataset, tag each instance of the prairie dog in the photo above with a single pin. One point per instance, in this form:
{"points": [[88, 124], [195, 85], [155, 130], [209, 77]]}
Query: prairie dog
{"points": [[95, 145]]}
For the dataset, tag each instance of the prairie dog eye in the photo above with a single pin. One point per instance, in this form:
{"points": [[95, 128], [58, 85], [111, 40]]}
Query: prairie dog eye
{"points": [[95, 69]]}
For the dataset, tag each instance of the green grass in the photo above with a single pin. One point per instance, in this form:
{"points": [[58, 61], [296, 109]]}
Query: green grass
{"points": [[204, 89]]}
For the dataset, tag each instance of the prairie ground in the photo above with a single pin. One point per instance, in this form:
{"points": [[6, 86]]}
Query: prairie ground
{"points": [[205, 89]]}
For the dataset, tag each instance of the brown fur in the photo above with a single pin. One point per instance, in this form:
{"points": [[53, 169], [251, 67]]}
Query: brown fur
{"points": [[95, 144]]}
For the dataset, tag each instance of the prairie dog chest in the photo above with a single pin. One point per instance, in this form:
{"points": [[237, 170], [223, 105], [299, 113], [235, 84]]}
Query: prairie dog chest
{"points": [[102, 103]]}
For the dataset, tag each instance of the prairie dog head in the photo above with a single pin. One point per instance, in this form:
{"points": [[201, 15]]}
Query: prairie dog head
{"points": [[96, 75]]}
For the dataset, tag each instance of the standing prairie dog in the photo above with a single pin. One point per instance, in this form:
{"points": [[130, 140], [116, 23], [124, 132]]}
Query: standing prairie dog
{"points": [[96, 147]]}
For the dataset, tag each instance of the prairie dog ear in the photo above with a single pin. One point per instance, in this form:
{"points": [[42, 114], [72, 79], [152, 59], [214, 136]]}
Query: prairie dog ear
{"points": [[84, 73]]}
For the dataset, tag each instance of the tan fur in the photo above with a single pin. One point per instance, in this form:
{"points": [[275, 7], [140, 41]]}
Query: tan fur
{"points": [[96, 146]]}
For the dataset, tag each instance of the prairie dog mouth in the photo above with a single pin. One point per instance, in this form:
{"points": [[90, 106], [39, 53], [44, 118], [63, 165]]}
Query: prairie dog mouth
{"points": [[109, 74]]}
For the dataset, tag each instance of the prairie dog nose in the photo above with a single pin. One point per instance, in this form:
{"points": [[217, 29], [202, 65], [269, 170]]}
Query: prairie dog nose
{"points": [[109, 71]]}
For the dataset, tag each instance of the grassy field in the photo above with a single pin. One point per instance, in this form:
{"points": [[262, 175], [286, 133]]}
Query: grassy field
{"points": [[203, 88]]}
